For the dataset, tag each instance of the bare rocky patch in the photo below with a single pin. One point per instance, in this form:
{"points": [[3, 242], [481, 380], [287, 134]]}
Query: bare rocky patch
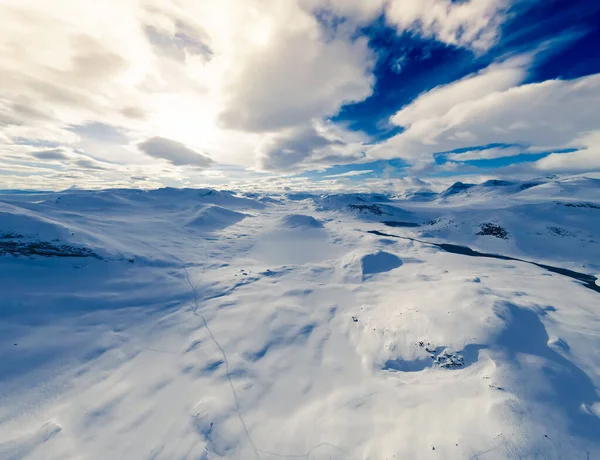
{"points": [[491, 229], [12, 246]]}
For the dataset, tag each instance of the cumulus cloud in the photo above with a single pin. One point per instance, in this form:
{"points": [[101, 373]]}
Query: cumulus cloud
{"points": [[349, 174], [358, 11], [311, 146], [492, 108], [443, 100], [75, 74], [293, 72], [285, 87], [68, 159], [219, 77], [474, 24], [487, 153], [253, 83], [87, 163], [174, 152], [179, 41], [586, 159], [285, 152], [51, 154]]}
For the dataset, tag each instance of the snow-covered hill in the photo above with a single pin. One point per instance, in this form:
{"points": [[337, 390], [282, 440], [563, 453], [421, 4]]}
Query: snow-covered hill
{"points": [[202, 324]]}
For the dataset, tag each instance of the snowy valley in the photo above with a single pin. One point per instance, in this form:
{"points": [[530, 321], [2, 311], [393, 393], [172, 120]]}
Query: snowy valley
{"points": [[204, 324]]}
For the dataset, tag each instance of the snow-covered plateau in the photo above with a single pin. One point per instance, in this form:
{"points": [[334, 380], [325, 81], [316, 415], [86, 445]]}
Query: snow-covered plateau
{"points": [[203, 324]]}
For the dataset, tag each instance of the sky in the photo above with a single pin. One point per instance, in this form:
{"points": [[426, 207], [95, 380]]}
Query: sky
{"points": [[296, 94]]}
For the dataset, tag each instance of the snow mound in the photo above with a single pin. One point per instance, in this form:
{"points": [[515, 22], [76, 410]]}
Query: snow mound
{"points": [[125, 199], [300, 221], [417, 195], [24, 232], [226, 198], [20, 223], [334, 202], [91, 201], [370, 207], [379, 262], [215, 217], [319, 326], [359, 265], [456, 188]]}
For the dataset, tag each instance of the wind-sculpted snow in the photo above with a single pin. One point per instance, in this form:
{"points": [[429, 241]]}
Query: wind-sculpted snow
{"points": [[300, 221], [16, 222], [218, 325], [379, 262], [214, 217]]}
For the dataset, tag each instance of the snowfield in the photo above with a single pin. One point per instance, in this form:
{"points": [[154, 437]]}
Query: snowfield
{"points": [[203, 324]]}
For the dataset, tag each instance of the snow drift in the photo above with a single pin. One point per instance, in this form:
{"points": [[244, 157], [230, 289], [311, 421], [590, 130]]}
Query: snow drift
{"points": [[275, 337], [211, 218], [300, 221], [379, 262]]}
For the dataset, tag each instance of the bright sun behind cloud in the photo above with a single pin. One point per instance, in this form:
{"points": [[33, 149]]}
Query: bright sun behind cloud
{"points": [[289, 87]]}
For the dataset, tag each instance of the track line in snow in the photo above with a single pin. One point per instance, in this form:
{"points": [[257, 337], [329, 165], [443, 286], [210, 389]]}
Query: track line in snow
{"points": [[256, 450], [218, 345], [309, 453]]}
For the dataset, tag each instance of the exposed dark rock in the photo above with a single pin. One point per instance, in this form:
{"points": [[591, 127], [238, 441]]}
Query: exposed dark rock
{"points": [[529, 185], [582, 205], [560, 231], [496, 183], [44, 249], [490, 229], [394, 223], [10, 235], [373, 208], [457, 187]]}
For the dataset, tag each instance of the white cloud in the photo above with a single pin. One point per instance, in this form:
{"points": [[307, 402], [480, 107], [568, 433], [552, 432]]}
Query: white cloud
{"points": [[51, 154], [69, 67], [443, 100], [473, 23], [491, 108], [291, 72], [487, 154], [586, 159], [359, 11], [220, 77], [310, 147], [349, 174], [249, 83], [174, 152]]}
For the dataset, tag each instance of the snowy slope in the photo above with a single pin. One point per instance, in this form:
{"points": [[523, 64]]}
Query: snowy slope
{"points": [[214, 325]]}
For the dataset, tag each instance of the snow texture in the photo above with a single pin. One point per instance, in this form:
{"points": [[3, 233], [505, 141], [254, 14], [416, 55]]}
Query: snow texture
{"points": [[300, 221], [211, 325], [379, 262]]}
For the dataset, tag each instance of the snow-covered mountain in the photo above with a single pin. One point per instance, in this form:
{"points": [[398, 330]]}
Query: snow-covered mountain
{"points": [[185, 324]]}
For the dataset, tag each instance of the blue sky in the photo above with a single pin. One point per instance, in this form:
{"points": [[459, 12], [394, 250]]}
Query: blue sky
{"points": [[429, 63], [334, 92]]}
